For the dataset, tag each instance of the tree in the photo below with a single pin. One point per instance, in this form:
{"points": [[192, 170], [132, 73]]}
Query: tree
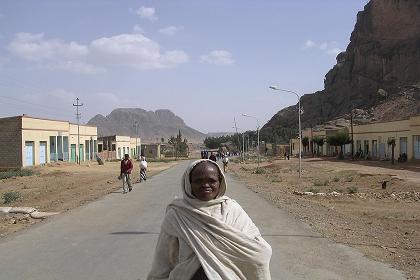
{"points": [[319, 141], [391, 142], [339, 140], [305, 142], [162, 139]]}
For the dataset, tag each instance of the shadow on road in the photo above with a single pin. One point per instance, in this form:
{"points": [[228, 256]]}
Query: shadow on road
{"points": [[133, 232], [293, 235]]}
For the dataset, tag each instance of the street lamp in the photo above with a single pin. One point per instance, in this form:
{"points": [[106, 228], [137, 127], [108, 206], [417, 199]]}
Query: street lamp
{"points": [[258, 135], [243, 141], [300, 130]]}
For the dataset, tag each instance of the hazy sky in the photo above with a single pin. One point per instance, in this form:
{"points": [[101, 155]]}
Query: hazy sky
{"points": [[207, 61]]}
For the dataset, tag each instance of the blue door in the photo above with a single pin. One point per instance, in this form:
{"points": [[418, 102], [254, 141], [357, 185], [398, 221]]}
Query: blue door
{"points": [[416, 143], [42, 152], [381, 150], [29, 153]]}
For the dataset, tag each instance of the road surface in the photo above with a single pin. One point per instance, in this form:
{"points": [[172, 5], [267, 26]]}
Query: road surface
{"points": [[114, 238]]}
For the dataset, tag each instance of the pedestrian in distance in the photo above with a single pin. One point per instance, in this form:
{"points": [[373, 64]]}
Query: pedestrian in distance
{"points": [[207, 235], [143, 169], [225, 162], [212, 157], [125, 173]]}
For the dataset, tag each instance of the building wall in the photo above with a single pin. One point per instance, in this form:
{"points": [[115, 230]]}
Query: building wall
{"points": [[27, 141], [376, 135], [86, 133], [294, 147], [150, 150], [10, 142], [40, 131], [122, 144], [135, 147]]}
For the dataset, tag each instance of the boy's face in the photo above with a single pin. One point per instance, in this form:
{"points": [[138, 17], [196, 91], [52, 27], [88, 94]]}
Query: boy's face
{"points": [[205, 181]]}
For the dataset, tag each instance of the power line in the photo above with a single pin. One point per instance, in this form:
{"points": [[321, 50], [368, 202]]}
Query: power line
{"points": [[52, 109]]}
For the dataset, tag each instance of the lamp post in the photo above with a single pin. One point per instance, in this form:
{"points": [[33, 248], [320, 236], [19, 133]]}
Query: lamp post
{"points": [[243, 142], [258, 135], [300, 130]]}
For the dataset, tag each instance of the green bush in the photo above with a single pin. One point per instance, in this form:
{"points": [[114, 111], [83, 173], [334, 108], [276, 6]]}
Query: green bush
{"points": [[349, 179], [336, 179], [313, 190], [259, 170], [318, 183], [352, 189], [11, 197], [16, 173]]}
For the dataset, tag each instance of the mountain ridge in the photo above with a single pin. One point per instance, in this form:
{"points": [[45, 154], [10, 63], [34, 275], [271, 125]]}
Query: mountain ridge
{"points": [[152, 125]]}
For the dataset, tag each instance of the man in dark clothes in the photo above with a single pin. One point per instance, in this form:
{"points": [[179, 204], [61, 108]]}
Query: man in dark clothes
{"points": [[125, 174], [213, 157]]}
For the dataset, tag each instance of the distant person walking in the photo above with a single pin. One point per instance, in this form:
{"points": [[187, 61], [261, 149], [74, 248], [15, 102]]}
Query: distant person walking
{"points": [[212, 157], [143, 169], [225, 162], [125, 173]]}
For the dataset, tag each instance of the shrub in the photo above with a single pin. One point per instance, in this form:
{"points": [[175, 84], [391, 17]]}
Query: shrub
{"points": [[259, 170], [16, 173], [336, 179], [318, 183], [314, 190], [349, 179], [352, 189], [11, 197]]}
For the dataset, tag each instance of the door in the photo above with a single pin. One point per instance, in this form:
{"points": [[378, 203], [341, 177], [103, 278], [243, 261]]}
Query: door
{"points": [[81, 153], [381, 150], [42, 152], [416, 143], [403, 145], [73, 153], [374, 149], [29, 153]]}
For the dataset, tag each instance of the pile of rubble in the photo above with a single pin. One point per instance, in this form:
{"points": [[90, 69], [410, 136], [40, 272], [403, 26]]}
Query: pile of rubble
{"points": [[406, 196], [32, 212]]}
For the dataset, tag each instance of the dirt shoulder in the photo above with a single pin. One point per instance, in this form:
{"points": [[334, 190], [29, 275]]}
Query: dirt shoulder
{"points": [[384, 224], [63, 186]]}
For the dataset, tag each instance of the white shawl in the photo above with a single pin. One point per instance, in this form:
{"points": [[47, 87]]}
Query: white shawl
{"points": [[225, 241]]}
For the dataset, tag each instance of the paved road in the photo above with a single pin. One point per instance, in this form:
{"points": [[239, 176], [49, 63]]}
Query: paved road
{"points": [[114, 238]]}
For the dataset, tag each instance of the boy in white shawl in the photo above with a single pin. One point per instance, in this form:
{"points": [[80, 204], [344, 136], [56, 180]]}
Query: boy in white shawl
{"points": [[206, 235]]}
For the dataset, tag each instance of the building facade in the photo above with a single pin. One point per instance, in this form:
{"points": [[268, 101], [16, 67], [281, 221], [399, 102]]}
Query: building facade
{"points": [[372, 140], [151, 151], [116, 146], [28, 141]]}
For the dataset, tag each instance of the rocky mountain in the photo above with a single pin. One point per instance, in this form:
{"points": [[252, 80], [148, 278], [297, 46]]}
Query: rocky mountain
{"points": [[152, 125], [381, 63]]}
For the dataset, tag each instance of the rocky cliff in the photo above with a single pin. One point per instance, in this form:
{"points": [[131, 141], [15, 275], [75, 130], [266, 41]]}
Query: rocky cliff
{"points": [[381, 61], [152, 125]]}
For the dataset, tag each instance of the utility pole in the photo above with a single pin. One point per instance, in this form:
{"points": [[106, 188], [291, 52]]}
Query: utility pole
{"points": [[239, 141], [136, 125], [77, 105]]}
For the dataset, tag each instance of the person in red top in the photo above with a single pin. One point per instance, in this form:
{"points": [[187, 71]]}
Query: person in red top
{"points": [[125, 175]]}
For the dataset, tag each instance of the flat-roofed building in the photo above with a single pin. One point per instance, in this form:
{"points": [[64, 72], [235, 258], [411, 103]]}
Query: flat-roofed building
{"points": [[371, 140], [151, 150], [116, 146], [28, 141]]}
